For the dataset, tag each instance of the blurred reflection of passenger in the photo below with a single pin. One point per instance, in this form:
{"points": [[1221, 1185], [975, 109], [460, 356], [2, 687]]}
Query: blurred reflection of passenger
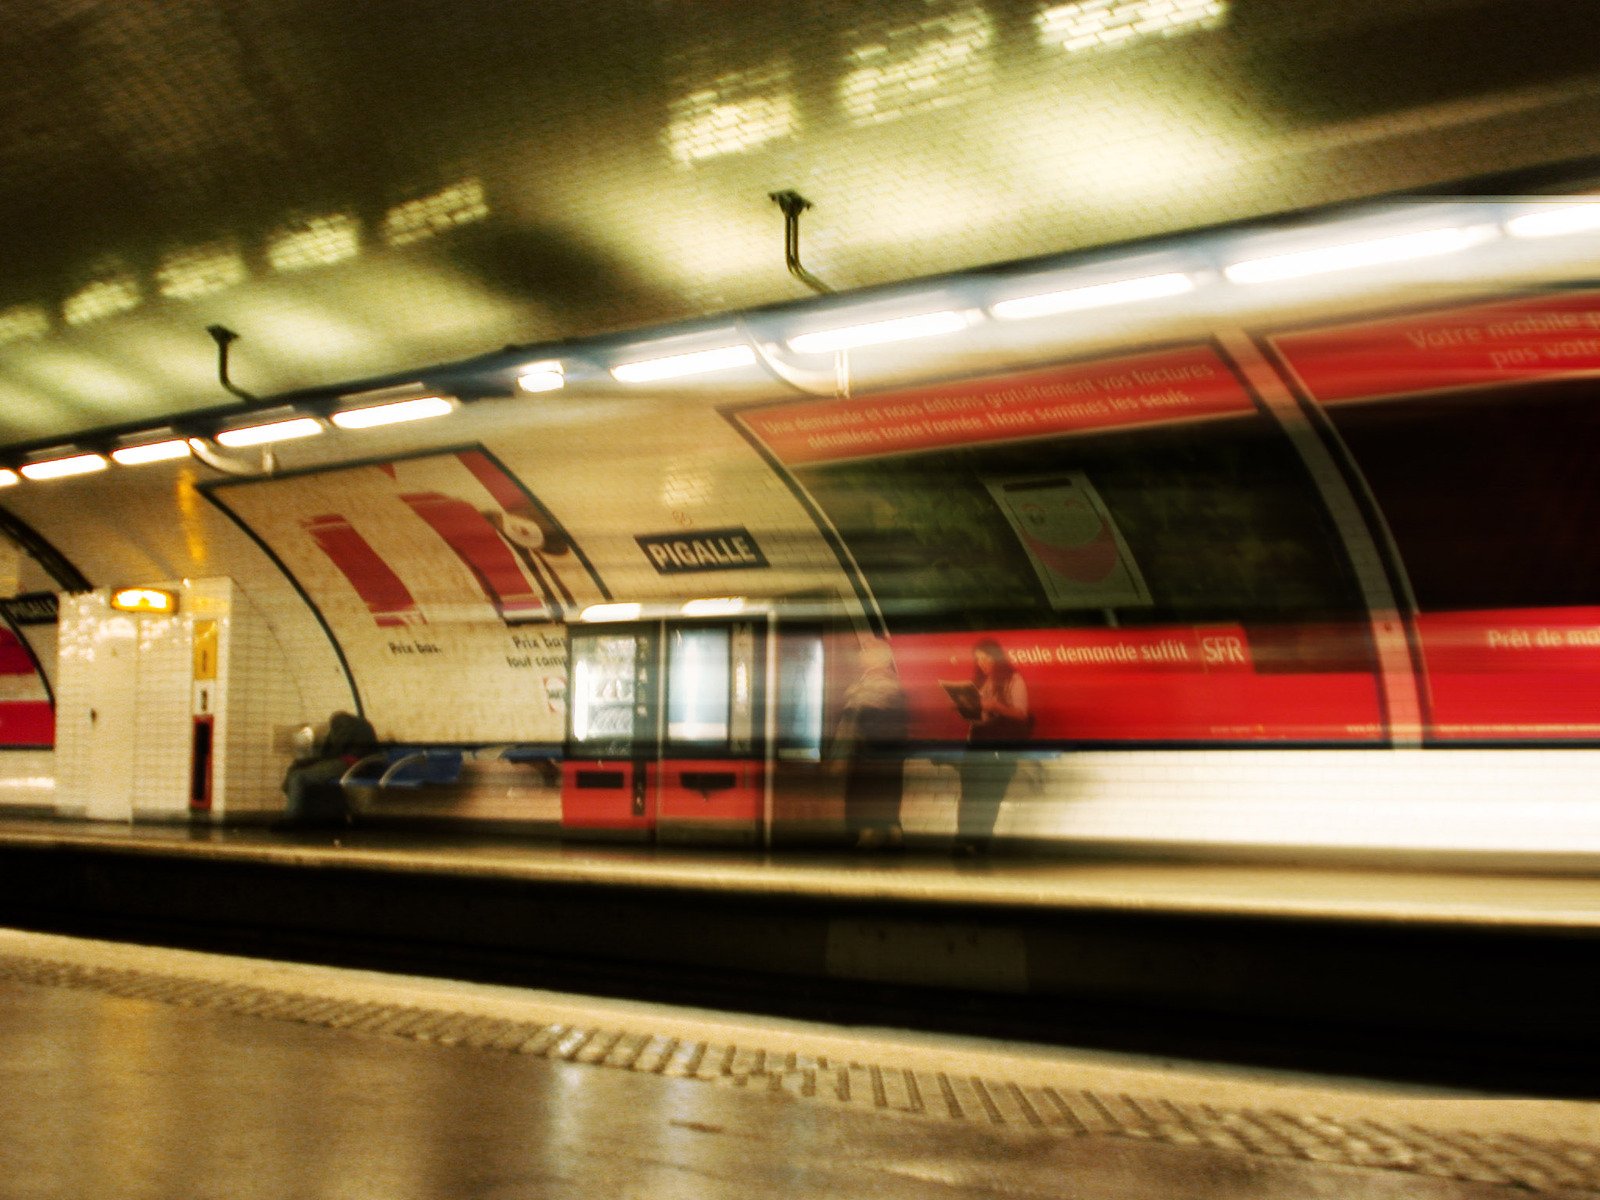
{"points": [[870, 740], [1001, 723]]}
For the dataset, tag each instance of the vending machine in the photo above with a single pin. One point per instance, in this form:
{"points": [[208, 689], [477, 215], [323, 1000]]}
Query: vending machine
{"points": [[667, 730]]}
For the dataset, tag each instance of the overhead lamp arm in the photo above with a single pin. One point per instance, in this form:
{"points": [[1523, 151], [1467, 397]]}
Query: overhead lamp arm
{"points": [[206, 453], [225, 337], [793, 204]]}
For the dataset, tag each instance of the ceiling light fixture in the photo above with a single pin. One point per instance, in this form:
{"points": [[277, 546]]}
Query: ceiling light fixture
{"points": [[700, 362], [1100, 295], [714, 606], [542, 377], [148, 452], [419, 408], [1426, 243], [61, 468], [878, 333], [274, 431], [611, 612], [9, 478], [1555, 220]]}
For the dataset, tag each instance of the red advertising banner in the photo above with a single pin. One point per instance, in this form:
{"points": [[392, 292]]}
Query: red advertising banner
{"points": [[1526, 673], [1547, 337], [1170, 385], [1179, 683]]}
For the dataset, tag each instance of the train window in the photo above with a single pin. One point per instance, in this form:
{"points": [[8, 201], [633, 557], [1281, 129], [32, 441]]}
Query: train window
{"points": [[699, 685], [800, 697], [1213, 521], [1490, 496]]}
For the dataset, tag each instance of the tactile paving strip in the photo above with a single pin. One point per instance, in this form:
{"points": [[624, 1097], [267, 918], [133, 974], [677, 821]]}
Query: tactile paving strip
{"points": [[1501, 1158]]}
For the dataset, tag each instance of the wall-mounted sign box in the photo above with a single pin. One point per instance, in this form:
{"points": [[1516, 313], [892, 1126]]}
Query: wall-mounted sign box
{"points": [[730, 549], [32, 608]]}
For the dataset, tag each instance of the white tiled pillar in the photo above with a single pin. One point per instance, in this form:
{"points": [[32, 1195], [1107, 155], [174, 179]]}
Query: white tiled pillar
{"points": [[127, 700]]}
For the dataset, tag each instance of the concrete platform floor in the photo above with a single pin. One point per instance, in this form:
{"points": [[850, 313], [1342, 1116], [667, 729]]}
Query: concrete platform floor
{"points": [[136, 1072], [1413, 891]]}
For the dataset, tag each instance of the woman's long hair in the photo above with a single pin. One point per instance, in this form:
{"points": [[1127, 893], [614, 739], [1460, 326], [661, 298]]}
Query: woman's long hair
{"points": [[1003, 670]]}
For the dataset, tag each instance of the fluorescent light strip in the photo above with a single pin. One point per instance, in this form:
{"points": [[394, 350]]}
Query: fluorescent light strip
{"points": [[1427, 243], [149, 452], [723, 358], [878, 333], [714, 606], [542, 377], [9, 478], [611, 612], [1555, 220], [1100, 295], [61, 468], [276, 431], [418, 409]]}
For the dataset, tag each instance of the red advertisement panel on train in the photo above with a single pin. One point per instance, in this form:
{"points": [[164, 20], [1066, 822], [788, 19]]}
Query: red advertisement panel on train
{"points": [[1196, 684], [1480, 462], [1171, 385], [1131, 526], [1523, 673], [1483, 345]]}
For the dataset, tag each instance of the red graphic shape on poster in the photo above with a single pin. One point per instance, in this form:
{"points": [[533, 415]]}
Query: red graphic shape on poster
{"points": [[1171, 385], [14, 658], [1167, 684], [27, 723], [1090, 562], [381, 590], [1528, 673], [522, 524], [507, 494], [482, 551], [1548, 337]]}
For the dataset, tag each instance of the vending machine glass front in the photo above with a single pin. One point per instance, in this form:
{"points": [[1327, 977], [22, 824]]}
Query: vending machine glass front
{"points": [[607, 701]]}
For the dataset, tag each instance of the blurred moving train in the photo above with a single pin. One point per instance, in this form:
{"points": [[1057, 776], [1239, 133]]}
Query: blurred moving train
{"points": [[1298, 564]]}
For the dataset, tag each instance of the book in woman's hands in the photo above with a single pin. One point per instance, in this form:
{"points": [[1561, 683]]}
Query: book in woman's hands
{"points": [[964, 696]]}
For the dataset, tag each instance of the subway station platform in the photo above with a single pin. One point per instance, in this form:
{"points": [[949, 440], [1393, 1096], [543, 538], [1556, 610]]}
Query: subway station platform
{"points": [[1476, 978], [142, 1072]]}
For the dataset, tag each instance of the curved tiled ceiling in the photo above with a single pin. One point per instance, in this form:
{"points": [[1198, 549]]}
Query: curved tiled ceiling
{"points": [[364, 190]]}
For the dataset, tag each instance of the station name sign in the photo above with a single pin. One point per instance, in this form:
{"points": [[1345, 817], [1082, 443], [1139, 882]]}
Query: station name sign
{"points": [[731, 549]]}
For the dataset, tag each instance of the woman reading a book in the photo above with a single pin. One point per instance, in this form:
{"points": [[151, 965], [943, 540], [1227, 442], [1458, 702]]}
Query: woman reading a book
{"points": [[1000, 723]]}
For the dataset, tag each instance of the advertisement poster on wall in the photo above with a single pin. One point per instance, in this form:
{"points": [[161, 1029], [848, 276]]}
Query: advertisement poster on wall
{"points": [[442, 579], [1133, 534]]}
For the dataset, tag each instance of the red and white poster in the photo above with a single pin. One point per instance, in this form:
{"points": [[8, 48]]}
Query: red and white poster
{"points": [[27, 719], [1481, 345], [1071, 540], [1168, 385], [442, 579]]}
